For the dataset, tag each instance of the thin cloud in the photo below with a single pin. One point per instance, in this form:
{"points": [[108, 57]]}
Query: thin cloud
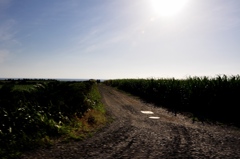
{"points": [[6, 30], [3, 55]]}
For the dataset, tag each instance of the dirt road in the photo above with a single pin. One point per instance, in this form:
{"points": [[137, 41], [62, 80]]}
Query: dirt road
{"points": [[134, 135]]}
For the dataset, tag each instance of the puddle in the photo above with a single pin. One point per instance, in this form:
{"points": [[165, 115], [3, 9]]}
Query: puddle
{"points": [[154, 117], [147, 112]]}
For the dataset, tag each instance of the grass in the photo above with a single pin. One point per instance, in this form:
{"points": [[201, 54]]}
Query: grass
{"points": [[82, 128], [23, 87], [79, 129]]}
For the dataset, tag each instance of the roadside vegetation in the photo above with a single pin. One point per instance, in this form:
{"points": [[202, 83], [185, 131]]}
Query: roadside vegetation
{"points": [[37, 113], [205, 99]]}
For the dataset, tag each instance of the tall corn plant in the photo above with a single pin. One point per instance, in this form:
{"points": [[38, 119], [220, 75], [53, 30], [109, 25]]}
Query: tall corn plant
{"points": [[27, 116], [210, 98]]}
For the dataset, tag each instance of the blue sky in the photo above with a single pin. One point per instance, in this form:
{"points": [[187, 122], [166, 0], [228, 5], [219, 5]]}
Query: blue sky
{"points": [[110, 39]]}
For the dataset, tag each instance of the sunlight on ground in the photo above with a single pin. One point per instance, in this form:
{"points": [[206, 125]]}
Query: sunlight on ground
{"points": [[154, 117], [147, 112]]}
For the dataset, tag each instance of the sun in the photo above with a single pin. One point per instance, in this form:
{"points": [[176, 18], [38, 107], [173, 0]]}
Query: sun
{"points": [[168, 7]]}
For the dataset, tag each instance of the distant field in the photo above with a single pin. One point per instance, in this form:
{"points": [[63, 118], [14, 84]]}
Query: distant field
{"points": [[21, 87], [25, 85]]}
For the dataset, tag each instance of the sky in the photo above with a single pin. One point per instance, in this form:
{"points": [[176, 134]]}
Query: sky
{"points": [[113, 39]]}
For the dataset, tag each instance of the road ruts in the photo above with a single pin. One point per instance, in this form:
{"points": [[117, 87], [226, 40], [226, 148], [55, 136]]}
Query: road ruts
{"points": [[133, 135]]}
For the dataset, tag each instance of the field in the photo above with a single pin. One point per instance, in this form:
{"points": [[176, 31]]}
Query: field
{"points": [[206, 99], [34, 112], [133, 134]]}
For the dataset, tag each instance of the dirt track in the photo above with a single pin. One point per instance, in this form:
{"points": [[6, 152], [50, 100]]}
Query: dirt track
{"points": [[134, 135]]}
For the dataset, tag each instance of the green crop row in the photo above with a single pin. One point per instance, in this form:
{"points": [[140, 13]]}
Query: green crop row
{"points": [[215, 99], [29, 113]]}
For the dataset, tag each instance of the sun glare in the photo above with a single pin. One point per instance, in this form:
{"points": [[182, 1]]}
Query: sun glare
{"points": [[168, 7]]}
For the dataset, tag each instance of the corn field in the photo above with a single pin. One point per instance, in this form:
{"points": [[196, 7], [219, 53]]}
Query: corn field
{"points": [[214, 99], [27, 115]]}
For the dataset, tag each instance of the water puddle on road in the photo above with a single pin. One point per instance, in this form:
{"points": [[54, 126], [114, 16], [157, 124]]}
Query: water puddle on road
{"points": [[147, 112], [154, 117]]}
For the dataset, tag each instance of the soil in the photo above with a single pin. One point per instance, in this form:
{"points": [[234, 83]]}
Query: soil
{"points": [[133, 135]]}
